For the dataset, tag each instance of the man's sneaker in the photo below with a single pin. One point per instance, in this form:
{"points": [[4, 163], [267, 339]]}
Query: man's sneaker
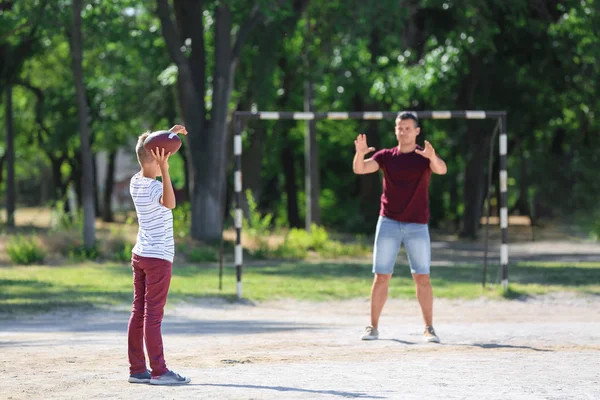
{"points": [[169, 378], [370, 333], [430, 335], [144, 377]]}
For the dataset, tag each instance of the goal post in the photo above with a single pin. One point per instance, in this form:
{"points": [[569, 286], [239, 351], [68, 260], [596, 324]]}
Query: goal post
{"points": [[239, 116]]}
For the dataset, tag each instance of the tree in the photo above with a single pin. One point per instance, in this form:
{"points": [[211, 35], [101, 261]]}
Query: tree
{"points": [[10, 158], [14, 50], [87, 163], [208, 126]]}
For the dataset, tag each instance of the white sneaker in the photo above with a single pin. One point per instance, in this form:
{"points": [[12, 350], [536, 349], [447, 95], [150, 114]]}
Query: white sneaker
{"points": [[430, 336], [370, 333]]}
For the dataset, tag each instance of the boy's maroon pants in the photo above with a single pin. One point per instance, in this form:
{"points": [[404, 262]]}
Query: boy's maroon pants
{"points": [[151, 280]]}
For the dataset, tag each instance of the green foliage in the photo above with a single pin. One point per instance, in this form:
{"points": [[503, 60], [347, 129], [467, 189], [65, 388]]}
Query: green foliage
{"points": [[257, 227], [300, 244], [202, 254], [182, 220], [256, 224], [122, 251], [426, 55], [25, 250], [62, 221], [313, 241], [78, 253]]}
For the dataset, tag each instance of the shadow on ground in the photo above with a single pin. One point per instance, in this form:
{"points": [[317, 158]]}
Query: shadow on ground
{"points": [[284, 389]]}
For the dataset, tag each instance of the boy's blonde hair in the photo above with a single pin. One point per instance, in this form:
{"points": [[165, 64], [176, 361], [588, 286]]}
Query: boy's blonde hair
{"points": [[143, 155]]}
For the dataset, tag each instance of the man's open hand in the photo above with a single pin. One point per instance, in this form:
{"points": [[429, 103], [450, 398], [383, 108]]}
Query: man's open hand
{"points": [[361, 145], [427, 152]]}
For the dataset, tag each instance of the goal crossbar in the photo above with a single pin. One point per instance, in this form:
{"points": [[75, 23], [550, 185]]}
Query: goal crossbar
{"points": [[239, 116]]}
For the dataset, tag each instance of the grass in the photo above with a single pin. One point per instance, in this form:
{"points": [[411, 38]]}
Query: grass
{"points": [[44, 288]]}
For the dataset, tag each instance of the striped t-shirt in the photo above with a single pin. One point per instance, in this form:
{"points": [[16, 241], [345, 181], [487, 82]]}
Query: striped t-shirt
{"points": [[155, 234]]}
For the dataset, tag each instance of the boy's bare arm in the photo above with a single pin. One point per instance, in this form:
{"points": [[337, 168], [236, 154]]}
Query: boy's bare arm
{"points": [[168, 197]]}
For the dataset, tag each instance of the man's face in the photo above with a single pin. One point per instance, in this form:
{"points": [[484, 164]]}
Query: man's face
{"points": [[406, 131]]}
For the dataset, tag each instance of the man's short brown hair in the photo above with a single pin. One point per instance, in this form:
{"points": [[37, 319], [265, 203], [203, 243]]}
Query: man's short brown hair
{"points": [[143, 155]]}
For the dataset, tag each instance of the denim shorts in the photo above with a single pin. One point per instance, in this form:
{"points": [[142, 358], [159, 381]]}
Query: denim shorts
{"points": [[390, 235]]}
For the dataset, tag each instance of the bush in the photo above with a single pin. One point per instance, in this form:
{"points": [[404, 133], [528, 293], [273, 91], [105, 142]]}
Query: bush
{"points": [[79, 253], [336, 249], [257, 227], [25, 251], [202, 254], [62, 221], [182, 221], [122, 251], [299, 243], [116, 245]]}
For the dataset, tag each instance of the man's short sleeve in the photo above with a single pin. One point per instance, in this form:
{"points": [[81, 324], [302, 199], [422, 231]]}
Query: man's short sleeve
{"points": [[155, 191], [380, 157]]}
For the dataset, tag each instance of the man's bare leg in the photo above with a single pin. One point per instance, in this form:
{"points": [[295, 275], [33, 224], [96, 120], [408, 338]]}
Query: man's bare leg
{"points": [[425, 297], [379, 295]]}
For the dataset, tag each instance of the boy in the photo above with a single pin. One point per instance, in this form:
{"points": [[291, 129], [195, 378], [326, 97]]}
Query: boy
{"points": [[152, 262]]}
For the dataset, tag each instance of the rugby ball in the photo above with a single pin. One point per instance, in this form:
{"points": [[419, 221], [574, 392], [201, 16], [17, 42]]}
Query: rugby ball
{"points": [[163, 140]]}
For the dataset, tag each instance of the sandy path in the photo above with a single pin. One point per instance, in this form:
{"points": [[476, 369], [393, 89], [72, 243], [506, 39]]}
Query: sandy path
{"points": [[543, 348]]}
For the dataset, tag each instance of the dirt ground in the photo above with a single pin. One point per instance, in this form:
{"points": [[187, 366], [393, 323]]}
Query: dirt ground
{"points": [[541, 348], [544, 347]]}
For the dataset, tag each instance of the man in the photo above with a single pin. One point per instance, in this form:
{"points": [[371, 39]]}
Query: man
{"points": [[403, 216]]}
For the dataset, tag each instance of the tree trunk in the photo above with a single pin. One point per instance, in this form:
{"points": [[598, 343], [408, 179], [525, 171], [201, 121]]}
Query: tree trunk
{"points": [[208, 201], [184, 153], [87, 182], [57, 182], [107, 212], [522, 205], [477, 154], [478, 144], [455, 203], [311, 163], [76, 178], [252, 162], [10, 160], [97, 210], [289, 172], [286, 153], [2, 161]]}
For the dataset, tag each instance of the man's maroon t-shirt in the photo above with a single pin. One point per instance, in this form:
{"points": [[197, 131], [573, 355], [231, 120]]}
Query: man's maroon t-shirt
{"points": [[406, 176]]}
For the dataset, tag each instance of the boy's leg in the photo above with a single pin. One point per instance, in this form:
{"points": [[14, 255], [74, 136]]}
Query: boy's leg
{"points": [[158, 280], [135, 329]]}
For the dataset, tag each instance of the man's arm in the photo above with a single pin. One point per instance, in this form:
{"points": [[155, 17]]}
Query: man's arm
{"points": [[437, 165], [360, 166]]}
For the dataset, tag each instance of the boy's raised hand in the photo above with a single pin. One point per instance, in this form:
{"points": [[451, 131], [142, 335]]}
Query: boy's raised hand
{"points": [[179, 129], [161, 158]]}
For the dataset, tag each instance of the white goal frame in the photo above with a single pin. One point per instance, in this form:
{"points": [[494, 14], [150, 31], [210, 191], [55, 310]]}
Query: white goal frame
{"points": [[239, 116]]}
